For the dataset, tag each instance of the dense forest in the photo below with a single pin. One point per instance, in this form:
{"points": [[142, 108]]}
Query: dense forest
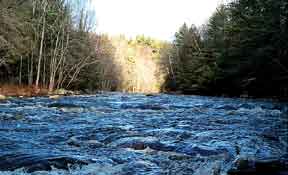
{"points": [[241, 50], [51, 44], [44, 43]]}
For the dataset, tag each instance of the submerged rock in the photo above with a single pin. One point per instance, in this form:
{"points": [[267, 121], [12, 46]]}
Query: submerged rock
{"points": [[63, 105], [141, 143], [78, 142], [67, 107], [259, 167], [201, 150], [152, 107], [227, 107], [32, 163], [143, 106], [151, 95], [10, 117]]}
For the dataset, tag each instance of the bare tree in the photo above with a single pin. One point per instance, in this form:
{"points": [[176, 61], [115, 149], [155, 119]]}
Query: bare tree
{"points": [[42, 43]]}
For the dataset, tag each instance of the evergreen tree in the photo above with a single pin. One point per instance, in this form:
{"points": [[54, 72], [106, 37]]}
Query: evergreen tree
{"points": [[192, 69], [254, 61]]}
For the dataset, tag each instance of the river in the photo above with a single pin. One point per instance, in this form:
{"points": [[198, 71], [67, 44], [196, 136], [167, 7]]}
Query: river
{"points": [[116, 133]]}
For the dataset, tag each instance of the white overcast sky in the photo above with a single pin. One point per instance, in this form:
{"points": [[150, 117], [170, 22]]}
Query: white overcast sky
{"points": [[156, 18]]}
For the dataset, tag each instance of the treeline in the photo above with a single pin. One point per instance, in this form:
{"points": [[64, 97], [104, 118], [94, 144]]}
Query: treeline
{"points": [[50, 44], [45, 43], [128, 65], [242, 50]]}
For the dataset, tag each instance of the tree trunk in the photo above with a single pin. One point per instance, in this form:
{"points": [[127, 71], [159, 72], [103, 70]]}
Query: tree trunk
{"points": [[20, 71], [31, 68], [41, 46]]}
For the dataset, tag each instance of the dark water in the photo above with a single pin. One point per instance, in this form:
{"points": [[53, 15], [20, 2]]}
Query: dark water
{"points": [[118, 133]]}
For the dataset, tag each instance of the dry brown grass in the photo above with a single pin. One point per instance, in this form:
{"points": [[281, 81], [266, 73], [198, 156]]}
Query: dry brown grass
{"points": [[25, 91]]}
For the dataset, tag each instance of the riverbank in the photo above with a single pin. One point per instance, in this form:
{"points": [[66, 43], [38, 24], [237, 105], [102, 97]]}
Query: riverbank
{"points": [[31, 91], [7, 91], [22, 91]]}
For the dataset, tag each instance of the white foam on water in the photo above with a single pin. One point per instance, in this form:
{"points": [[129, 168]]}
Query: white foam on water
{"points": [[91, 169], [259, 110]]}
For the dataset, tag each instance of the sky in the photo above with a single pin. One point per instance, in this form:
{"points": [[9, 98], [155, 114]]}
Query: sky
{"points": [[155, 18]]}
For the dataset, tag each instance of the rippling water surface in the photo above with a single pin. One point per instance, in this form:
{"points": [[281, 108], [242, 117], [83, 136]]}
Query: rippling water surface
{"points": [[116, 133]]}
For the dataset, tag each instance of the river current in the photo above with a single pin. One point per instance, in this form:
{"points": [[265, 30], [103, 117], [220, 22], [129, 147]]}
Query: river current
{"points": [[127, 134]]}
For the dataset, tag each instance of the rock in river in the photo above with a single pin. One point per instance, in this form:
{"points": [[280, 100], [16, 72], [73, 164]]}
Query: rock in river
{"points": [[259, 167], [54, 97], [2, 97], [201, 150], [141, 143], [80, 142], [67, 107], [63, 105], [39, 162]]}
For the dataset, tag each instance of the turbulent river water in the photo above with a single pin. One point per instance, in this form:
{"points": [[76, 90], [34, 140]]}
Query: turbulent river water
{"points": [[115, 133]]}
